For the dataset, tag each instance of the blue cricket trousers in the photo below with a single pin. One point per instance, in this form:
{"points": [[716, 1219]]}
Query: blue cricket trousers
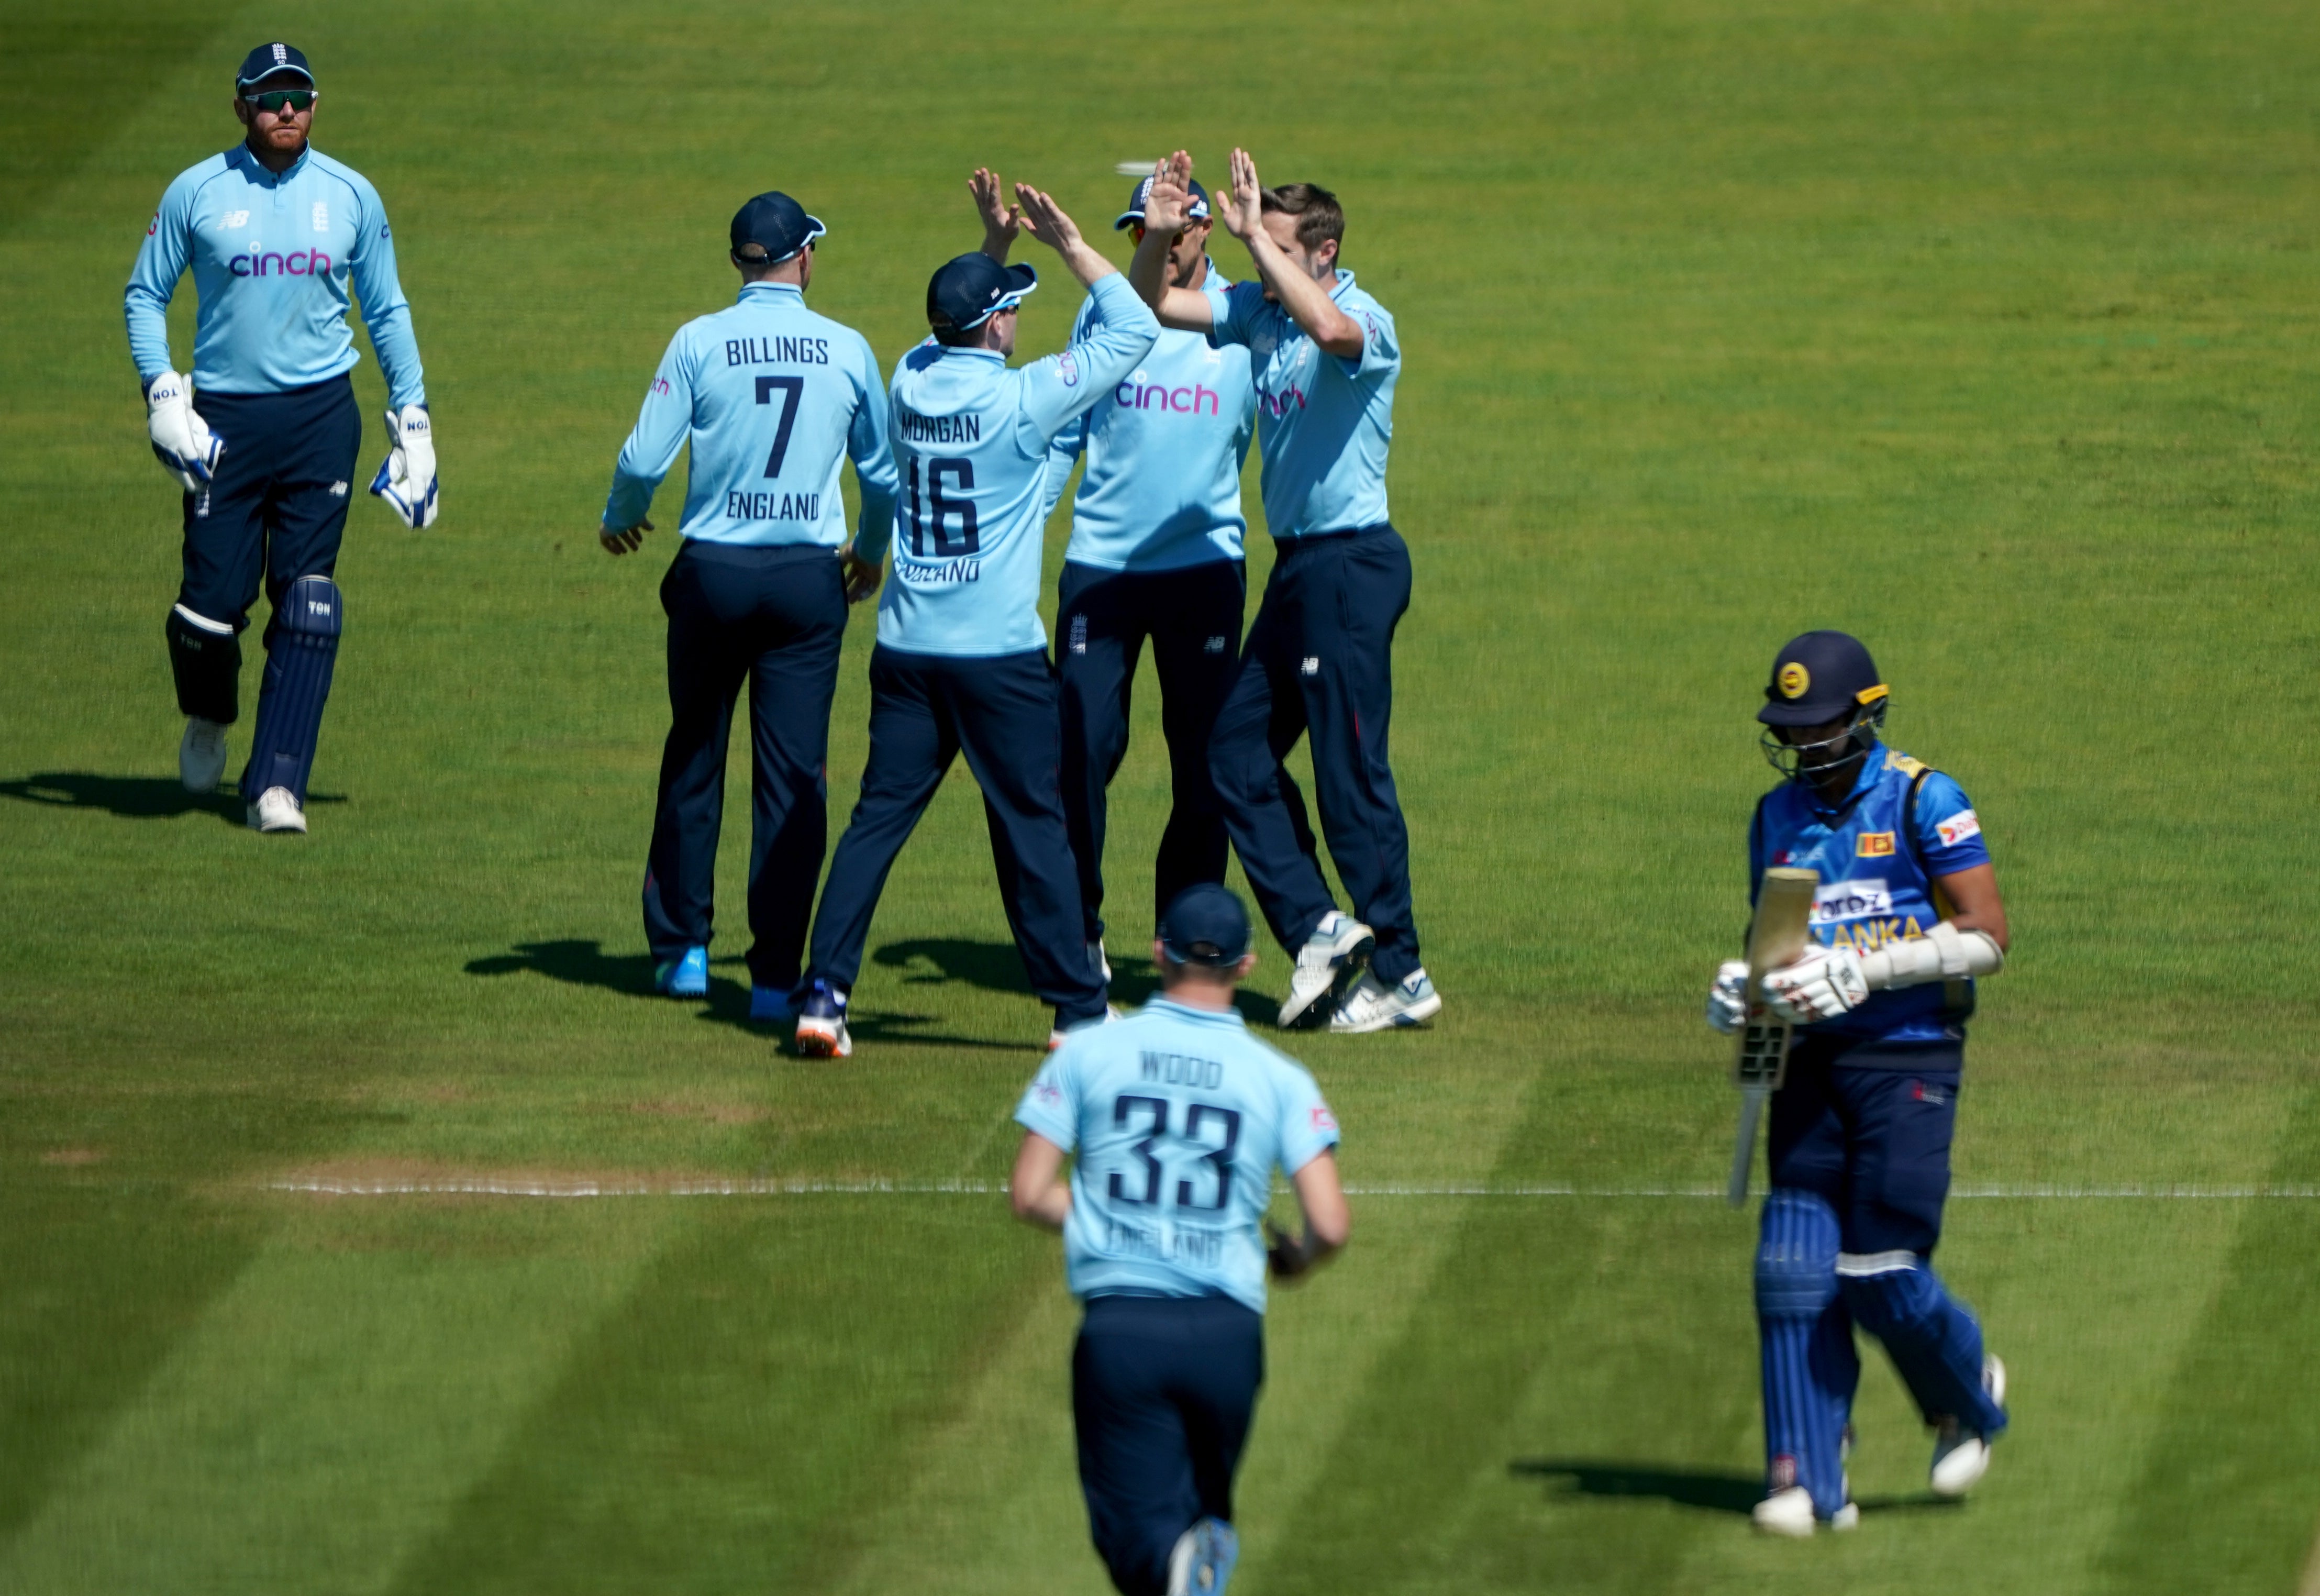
{"points": [[1163, 1390], [1192, 616], [773, 617], [1319, 663], [1001, 712]]}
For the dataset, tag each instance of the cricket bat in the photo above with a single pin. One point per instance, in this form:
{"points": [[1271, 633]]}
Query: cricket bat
{"points": [[1776, 938]]}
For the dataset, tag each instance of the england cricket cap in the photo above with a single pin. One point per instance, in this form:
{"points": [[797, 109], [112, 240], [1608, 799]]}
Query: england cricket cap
{"points": [[775, 223], [267, 60], [1819, 677], [1204, 924], [1198, 211], [970, 290]]}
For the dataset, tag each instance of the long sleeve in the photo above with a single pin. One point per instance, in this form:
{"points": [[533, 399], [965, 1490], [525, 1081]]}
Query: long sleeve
{"points": [[662, 426], [153, 281], [1063, 453], [385, 313], [870, 445], [1065, 387]]}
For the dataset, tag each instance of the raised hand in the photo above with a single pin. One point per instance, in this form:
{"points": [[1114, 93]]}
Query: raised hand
{"points": [[1045, 220], [1244, 199], [1001, 221], [1170, 197]]}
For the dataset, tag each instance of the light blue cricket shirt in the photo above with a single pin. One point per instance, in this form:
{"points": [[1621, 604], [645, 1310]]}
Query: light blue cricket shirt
{"points": [[1178, 1117], [774, 398], [275, 260], [1164, 448], [1323, 424], [971, 438]]}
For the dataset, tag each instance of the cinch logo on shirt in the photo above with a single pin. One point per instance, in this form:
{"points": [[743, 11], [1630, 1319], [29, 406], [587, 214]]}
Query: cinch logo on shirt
{"points": [[1199, 400], [1277, 405], [298, 263], [1874, 844]]}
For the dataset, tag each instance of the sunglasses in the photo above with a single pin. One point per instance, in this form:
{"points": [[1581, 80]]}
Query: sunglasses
{"points": [[275, 99]]}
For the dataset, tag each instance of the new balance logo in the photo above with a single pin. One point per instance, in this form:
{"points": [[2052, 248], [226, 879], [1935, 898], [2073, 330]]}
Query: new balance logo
{"points": [[1312, 665], [337, 490], [1213, 646]]}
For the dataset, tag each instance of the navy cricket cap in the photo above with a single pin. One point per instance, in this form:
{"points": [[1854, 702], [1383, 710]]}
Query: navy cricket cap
{"points": [[970, 289], [1819, 677], [268, 60], [775, 223], [1198, 211], [1205, 924]]}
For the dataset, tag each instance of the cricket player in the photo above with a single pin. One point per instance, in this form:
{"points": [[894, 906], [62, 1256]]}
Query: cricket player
{"points": [[1907, 916], [961, 665], [773, 399], [1324, 356], [1154, 552], [1176, 1119], [281, 239]]}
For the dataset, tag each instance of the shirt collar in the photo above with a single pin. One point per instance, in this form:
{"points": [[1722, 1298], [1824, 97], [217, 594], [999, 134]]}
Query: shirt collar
{"points": [[1344, 281], [792, 289], [256, 169], [1200, 1016]]}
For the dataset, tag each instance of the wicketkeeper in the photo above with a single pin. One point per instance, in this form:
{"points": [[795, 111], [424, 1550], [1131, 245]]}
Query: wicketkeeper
{"points": [[281, 239], [1907, 916]]}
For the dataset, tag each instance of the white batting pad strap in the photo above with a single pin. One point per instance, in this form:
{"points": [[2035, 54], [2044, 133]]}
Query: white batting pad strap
{"points": [[204, 621], [1860, 1264]]}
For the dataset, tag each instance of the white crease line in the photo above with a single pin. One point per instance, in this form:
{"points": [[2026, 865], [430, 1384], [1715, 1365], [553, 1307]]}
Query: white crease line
{"points": [[457, 1187]]}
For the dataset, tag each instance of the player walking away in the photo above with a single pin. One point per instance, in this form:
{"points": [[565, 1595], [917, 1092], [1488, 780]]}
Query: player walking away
{"points": [[280, 238], [1156, 552], [1908, 915], [773, 398], [961, 664], [1178, 1117], [1320, 657]]}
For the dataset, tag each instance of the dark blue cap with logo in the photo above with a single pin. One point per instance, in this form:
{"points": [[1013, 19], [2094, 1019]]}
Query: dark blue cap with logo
{"points": [[775, 223], [1205, 924], [969, 290], [268, 60], [1820, 677], [1198, 211]]}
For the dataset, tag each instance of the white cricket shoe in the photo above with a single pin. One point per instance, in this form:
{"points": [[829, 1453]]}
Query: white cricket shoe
{"points": [[1372, 1005], [201, 756], [1790, 1513], [1331, 958], [1056, 1037], [1962, 1455], [277, 811]]}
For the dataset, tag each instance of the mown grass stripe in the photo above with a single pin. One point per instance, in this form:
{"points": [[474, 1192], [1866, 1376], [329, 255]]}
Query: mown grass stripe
{"points": [[646, 1187]]}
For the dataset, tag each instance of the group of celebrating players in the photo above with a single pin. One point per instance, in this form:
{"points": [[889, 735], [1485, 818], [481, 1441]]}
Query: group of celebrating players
{"points": [[1175, 1118]]}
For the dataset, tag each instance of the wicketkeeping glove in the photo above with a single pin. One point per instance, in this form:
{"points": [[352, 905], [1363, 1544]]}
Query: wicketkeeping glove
{"points": [[1727, 1007], [1826, 982], [406, 481], [181, 440]]}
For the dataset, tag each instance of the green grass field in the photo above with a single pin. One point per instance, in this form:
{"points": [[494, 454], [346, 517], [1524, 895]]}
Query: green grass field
{"points": [[1985, 332]]}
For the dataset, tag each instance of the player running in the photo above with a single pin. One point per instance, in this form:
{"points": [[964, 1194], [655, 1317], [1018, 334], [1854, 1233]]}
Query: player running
{"points": [[961, 664], [1178, 1117], [281, 239], [1908, 915], [1321, 655], [773, 398], [1156, 551]]}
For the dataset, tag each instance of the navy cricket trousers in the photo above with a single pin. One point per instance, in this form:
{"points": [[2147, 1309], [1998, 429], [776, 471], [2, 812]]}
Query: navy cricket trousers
{"points": [[925, 711], [773, 617], [1192, 616], [1163, 1390], [275, 510], [1867, 1129], [1319, 664]]}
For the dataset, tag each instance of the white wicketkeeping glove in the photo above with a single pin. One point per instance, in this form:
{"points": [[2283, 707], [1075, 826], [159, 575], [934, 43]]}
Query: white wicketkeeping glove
{"points": [[1826, 982], [1727, 1004], [181, 440], [406, 481]]}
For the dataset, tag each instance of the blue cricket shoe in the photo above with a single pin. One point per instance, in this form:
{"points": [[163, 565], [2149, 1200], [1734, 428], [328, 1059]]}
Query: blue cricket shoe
{"points": [[775, 1003], [1203, 1559], [686, 977]]}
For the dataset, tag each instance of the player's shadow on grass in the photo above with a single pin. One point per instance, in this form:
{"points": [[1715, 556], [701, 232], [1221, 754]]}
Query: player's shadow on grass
{"points": [[1712, 1490], [996, 967], [135, 797], [582, 962]]}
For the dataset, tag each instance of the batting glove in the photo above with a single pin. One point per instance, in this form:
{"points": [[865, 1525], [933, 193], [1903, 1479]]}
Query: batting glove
{"points": [[1826, 982], [406, 481], [181, 440], [1727, 1002]]}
